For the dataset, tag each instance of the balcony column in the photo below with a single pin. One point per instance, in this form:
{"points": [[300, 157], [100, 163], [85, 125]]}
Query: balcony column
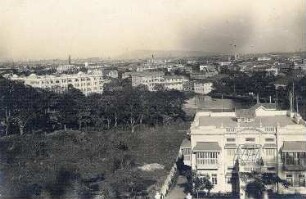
{"points": [[296, 160]]}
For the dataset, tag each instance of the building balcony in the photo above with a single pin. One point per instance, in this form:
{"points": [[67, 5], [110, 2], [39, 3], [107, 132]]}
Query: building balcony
{"points": [[208, 166]]}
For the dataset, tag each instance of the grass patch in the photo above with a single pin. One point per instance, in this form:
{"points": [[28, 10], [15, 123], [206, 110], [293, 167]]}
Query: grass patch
{"points": [[34, 165]]}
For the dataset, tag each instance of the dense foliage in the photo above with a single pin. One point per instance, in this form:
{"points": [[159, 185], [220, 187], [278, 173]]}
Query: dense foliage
{"points": [[259, 83], [24, 109]]}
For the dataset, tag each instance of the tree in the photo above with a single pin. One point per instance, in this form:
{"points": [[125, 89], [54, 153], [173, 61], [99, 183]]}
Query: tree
{"points": [[201, 183], [257, 183]]}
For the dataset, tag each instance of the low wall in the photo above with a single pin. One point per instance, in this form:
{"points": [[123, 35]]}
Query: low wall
{"points": [[166, 186]]}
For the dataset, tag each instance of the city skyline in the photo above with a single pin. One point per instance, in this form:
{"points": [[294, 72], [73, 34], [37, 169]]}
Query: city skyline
{"points": [[55, 29]]}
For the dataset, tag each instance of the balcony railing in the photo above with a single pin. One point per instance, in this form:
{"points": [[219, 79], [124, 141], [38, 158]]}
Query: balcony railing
{"points": [[208, 166]]}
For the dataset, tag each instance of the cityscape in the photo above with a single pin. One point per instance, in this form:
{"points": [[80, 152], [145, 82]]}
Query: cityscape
{"points": [[220, 116]]}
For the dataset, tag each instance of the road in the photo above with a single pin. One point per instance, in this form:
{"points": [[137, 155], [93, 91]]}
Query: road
{"points": [[178, 191]]}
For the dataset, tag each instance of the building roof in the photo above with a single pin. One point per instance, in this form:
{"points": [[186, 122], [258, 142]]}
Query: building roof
{"points": [[245, 113], [186, 143], [271, 106], [226, 121], [207, 146], [230, 146], [294, 146]]}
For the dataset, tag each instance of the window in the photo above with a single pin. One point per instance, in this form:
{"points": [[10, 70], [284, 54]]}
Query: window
{"points": [[250, 139], [230, 129], [186, 153], [230, 139], [289, 159], [289, 178], [270, 152], [294, 158], [228, 179], [207, 158], [214, 179], [269, 139], [302, 180], [231, 152], [269, 128]]}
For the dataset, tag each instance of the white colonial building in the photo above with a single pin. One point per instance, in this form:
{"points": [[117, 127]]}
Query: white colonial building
{"points": [[87, 83], [202, 87], [154, 79], [223, 145]]}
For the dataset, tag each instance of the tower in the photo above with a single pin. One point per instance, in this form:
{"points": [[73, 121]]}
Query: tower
{"points": [[69, 60]]}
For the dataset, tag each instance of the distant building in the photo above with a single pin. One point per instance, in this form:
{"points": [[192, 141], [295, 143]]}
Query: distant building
{"points": [[174, 82], [205, 71], [87, 83], [203, 87], [272, 71], [113, 73], [188, 86], [65, 68], [301, 66], [223, 146], [202, 76], [152, 79], [224, 63], [264, 58]]}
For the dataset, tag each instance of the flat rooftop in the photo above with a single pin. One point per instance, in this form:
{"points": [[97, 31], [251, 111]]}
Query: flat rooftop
{"points": [[257, 116], [219, 121]]}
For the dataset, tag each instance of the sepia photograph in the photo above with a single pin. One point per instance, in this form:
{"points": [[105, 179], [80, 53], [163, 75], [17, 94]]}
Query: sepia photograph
{"points": [[152, 99]]}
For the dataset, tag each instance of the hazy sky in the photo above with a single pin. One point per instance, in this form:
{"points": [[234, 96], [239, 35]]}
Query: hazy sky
{"points": [[89, 28]]}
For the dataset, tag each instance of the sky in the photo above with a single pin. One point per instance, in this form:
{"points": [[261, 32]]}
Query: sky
{"points": [[36, 29]]}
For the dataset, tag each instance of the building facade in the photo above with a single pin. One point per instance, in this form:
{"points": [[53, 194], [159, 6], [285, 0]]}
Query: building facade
{"points": [[224, 145], [203, 87], [155, 79], [87, 83]]}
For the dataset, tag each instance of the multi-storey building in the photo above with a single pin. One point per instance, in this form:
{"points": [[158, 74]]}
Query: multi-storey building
{"points": [[65, 68], [203, 87], [174, 82], [154, 79], [150, 79], [86, 82], [224, 145], [108, 72]]}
